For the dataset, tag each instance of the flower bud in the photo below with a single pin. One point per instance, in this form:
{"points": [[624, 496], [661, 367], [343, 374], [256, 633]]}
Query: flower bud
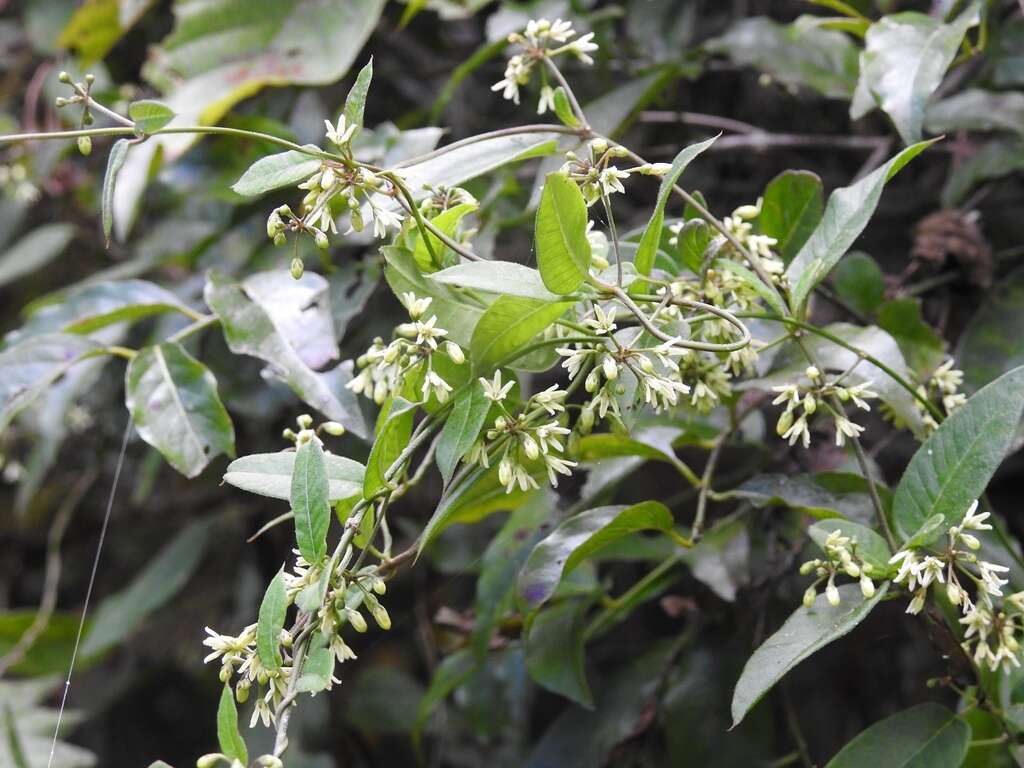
{"points": [[305, 421], [530, 447], [831, 593], [269, 761], [592, 381], [646, 365], [380, 615], [455, 353], [954, 593], [242, 691], [610, 368], [298, 268], [212, 759], [598, 146], [333, 428], [599, 262], [808, 568], [327, 180], [852, 569], [60, 101], [64, 77], [812, 373], [810, 404], [380, 586], [747, 212], [321, 240], [867, 586], [784, 423], [280, 239], [586, 421], [85, 145], [225, 673], [809, 596]]}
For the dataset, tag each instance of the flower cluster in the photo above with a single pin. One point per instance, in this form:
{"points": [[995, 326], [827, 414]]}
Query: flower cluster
{"points": [[542, 39], [840, 558], [991, 632], [524, 438], [739, 226], [803, 401], [385, 368], [595, 174]]}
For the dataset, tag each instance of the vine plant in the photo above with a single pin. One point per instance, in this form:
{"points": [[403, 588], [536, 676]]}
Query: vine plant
{"points": [[689, 315]]}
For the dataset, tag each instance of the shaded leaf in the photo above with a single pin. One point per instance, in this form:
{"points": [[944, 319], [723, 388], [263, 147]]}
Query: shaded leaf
{"points": [[317, 671], [974, 109], [174, 405], [555, 650], [925, 736], [792, 207], [285, 169], [806, 631], [504, 277], [461, 428], [808, 494], [579, 537], [922, 347], [393, 431], [270, 623], [859, 281]]}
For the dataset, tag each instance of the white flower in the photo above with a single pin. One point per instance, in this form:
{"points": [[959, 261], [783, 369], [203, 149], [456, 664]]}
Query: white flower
{"points": [[340, 134], [428, 332], [582, 47], [574, 359], [976, 522], [859, 393], [845, 428], [548, 436], [917, 603], [557, 466], [989, 578], [433, 382], [788, 394], [907, 559], [517, 73], [384, 220], [928, 570], [798, 431], [602, 323], [494, 390], [610, 180], [551, 399], [415, 306]]}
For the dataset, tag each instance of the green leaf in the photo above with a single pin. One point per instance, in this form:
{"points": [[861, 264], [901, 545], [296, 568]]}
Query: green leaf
{"points": [[905, 57], [448, 222], [644, 259], [150, 115], [285, 169], [952, 467], [555, 651], [270, 623], [509, 324], [977, 110], [97, 25], [355, 102], [317, 671], [231, 742], [560, 235], [925, 736], [580, 536], [819, 496], [173, 400], [98, 305], [309, 498], [28, 368], [51, 650], [865, 543], [694, 239], [819, 59], [806, 631], [922, 347], [34, 251], [792, 207], [160, 580], [859, 281], [563, 109], [395, 427], [251, 330], [270, 474], [504, 277], [986, 350], [846, 214], [462, 428]]}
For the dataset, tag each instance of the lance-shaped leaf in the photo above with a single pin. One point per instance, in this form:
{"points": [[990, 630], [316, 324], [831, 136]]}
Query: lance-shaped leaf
{"points": [[270, 474], [644, 258], [581, 536], [270, 622], [355, 102], [395, 427], [925, 736], [462, 428], [953, 466], [310, 500], [509, 324], [232, 744], [904, 59], [116, 158], [504, 277], [792, 208], [555, 650], [560, 235], [806, 631], [95, 306], [285, 169], [28, 368], [846, 214], [174, 405], [249, 329]]}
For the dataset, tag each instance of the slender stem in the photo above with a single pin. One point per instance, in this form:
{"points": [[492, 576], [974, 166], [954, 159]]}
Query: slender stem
{"points": [[201, 322], [615, 237], [876, 501], [573, 101], [600, 622], [409, 203]]}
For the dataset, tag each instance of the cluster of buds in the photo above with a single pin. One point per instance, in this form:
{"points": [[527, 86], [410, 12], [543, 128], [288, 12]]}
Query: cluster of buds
{"points": [[992, 632], [944, 386], [384, 368], [739, 226], [524, 438], [541, 39], [840, 558], [803, 401], [441, 198], [81, 94], [595, 174], [307, 432]]}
